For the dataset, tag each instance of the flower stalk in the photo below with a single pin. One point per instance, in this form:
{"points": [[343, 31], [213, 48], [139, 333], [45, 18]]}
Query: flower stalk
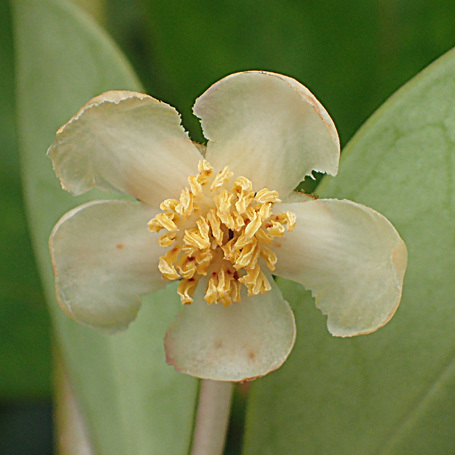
{"points": [[212, 417]]}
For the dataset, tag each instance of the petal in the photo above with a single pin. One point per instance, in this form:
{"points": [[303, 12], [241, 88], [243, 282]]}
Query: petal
{"points": [[104, 259], [297, 196], [125, 141], [269, 128], [352, 259], [239, 342]]}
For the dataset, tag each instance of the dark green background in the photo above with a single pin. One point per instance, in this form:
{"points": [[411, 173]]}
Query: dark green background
{"points": [[351, 54]]}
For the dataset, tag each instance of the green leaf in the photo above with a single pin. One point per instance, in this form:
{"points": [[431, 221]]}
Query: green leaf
{"points": [[24, 322], [133, 401], [390, 392]]}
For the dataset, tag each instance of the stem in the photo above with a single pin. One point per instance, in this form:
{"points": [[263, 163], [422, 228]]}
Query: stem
{"points": [[212, 417], [72, 436]]}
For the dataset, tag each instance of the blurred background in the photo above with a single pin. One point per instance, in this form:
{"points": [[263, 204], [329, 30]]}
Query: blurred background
{"points": [[353, 55]]}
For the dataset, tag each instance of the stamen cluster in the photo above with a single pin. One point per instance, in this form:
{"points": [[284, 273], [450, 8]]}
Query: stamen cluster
{"points": [[221, 231]]}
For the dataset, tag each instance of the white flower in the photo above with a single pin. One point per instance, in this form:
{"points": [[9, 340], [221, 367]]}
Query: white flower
{"points": [[227, 218]]}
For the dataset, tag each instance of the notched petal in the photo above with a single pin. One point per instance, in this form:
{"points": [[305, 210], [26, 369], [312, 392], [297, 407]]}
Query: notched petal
{"points": [[125, 141], [350, 257], [268, 128]]}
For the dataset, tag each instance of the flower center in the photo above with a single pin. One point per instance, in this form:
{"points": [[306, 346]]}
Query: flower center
{"points": [[220, 230]]}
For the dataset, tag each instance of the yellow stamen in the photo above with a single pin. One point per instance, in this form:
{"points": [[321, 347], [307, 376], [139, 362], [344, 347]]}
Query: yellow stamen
{"points": [[205, 171], [265, 211], [164, 220], [276, 229], [224, 283], [223, 201], [215, 226], [235, 290], [211, 293], [247, 257], [166, 264], [269, 256], [288, 218], [222, 232], [169, 204], [255, 281], [253, 226], [185, 206], [264, 237], [186, 266], [203, 259], [221, 178], [167, 239], [242, 185], [244, 190], [186, 289], [265, 195], [195, 185]]}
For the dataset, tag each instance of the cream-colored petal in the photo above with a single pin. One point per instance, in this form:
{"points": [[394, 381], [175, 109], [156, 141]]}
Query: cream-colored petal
{"points": [[297, 196], [269, 128], [239, 342], [104, 259], [350, 257], [125, 141]]}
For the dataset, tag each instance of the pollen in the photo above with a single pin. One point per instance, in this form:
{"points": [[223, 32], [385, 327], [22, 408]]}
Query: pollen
{"points": [[223, 230]]}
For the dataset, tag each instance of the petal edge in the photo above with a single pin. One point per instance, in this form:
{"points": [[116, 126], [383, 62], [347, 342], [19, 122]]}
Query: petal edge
{"points": [[125, 141], [350, 257], [104, 258], [240, 342], [269, 128]]}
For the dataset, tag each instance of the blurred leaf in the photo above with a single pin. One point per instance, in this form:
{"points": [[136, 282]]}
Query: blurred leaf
{"points": [[24, 322], [133, 401], [390, 392], [352, 54], [96, 8], [126, 22]]}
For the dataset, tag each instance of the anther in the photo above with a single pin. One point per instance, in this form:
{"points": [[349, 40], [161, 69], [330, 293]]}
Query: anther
{"points": [[221, 233], [221, 178]]}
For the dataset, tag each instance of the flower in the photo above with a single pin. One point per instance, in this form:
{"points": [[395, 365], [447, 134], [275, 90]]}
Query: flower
{"points": [[219, 219]]}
